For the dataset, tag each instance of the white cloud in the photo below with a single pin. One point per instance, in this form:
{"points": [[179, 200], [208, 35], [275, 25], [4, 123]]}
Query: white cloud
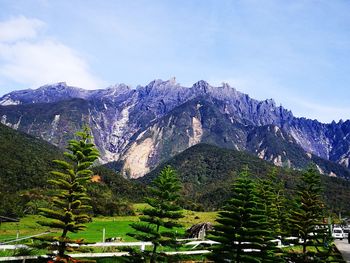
{"points": [[19, 28], [28, 58]]}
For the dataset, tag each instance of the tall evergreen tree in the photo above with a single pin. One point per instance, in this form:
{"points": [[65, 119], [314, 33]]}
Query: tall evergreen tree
{"points": [[243, 229], [306, 222], [70, 201], [162, 216], [272, 194]]}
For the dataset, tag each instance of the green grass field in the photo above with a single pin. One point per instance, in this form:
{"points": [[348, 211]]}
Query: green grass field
{"points": [[117, 226]]}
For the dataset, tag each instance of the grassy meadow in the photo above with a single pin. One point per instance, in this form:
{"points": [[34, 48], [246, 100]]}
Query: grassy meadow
{"points": [[117, 226]]}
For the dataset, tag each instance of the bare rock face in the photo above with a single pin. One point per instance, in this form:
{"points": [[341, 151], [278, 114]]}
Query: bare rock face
{"points": [[147, 125]]}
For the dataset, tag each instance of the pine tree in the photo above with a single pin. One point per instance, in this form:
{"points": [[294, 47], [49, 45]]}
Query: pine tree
{"points": [[70, 201], [158, 221], [272, 194], [243, 228], [306, 222]]}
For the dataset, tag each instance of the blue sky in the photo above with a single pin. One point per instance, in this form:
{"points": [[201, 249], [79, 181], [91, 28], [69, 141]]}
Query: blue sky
{"points": [[296, 52]]}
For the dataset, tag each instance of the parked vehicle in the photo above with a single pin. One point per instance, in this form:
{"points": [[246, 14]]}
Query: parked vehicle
{"points": [[338, 233], [346, 231]]}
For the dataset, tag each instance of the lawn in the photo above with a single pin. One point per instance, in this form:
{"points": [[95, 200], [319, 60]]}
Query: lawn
{"points": [[114, 227], [117, 226], [26, 227]]}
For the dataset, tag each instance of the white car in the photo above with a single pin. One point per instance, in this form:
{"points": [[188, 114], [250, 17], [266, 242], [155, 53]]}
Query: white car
{"points": [[338, 233], [346, 231]]}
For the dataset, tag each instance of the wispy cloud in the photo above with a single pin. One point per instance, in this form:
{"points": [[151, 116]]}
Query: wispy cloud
{"points": [[19, 28], [29, 57]]}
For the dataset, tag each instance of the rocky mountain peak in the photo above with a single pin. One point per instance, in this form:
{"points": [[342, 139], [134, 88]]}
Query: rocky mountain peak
{"points": [[226, 85], [270, 102], [111, 92], [201, 86], [172, 80], [44, 94], [120, 87], [159, 85], [55, 86]]}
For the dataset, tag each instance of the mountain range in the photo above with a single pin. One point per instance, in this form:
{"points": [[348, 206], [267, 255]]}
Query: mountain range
{"points": [[139, 128]]}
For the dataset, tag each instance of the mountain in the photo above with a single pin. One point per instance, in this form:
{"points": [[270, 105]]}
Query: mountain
{"points": [[208, 171], [142, 127]]}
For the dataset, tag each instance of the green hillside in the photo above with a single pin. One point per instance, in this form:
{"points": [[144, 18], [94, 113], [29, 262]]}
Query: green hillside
{"points": [[207, 172], [24, 164], [25, 160]]}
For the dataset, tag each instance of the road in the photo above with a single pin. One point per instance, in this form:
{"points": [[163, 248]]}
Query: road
{"points": [[344, 248]]}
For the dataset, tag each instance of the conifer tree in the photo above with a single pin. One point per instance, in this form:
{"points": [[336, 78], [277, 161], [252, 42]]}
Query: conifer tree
{"points": [[162, 215], [272, 194], [243, 229], [306, 222], [70, 200]]}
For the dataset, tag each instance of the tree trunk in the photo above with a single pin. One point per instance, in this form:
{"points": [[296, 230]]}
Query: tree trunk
{"points": [[304, 250], [62, 245], [153, 256]]}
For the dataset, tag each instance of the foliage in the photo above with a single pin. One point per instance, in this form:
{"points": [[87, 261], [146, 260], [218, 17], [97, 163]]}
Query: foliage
{"points": [[208, 185], [70, 199], [306, 221], [121, 187], [112, 194], [243, 231], [25, 166], [272, 194], [161, 217], [104, 202]]}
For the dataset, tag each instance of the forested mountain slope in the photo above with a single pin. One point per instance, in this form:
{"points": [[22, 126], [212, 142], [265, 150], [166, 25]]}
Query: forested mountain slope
{"points": [[207, 173]]}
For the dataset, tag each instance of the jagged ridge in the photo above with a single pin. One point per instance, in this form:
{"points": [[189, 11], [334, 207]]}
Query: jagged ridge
{"points": [[149, 124]]}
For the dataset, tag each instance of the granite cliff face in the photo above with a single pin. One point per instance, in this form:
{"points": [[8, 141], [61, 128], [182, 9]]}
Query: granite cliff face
{"points": [[147, 125]]}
